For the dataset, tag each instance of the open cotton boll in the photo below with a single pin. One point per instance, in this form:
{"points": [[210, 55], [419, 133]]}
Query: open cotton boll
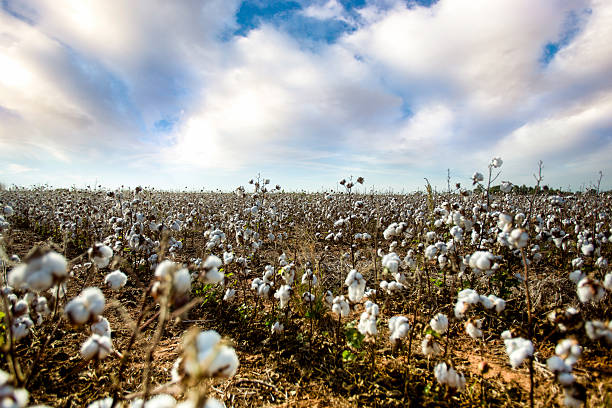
{"points": [[87, 306], [449, 376], [472, 328], [101, 327], [557, 365], [181, 281], [608, 281], [518, 349], [277, 328], [340, 306], [398, 328], [96, 347], [42, 271], [210, 272], [429, 346], [116, 280], [283, 294], [518, 238], [10, 396], [106, 403], [498, 303], [391, 262], [356, 285], [590, 290], [576, 276], [100, 255], [21, 327], [439, 323], [229, 294], [367, 321]]}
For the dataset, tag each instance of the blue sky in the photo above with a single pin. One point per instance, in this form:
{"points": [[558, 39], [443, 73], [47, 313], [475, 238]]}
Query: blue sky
{"points": [[209, 93]]}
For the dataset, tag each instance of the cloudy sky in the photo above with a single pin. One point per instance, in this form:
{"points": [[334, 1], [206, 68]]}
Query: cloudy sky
{"points": [[208, 93]]}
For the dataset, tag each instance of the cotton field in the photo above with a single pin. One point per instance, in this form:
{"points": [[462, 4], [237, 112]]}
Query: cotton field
{"points": [[481, 295]]}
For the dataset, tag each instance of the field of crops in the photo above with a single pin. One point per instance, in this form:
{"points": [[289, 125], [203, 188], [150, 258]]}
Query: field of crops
{"points": [[147, 298]]}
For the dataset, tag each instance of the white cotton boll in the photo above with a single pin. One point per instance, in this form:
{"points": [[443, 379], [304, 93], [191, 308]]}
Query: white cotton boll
{"points": [[356, 286], [460, 308], [499, 303], [77, 311], [472, 328], [283, 294], [469, 296], [96, 347], [518, 238], [608, 281], [556, 364], [589, 290], [161, 401], [566, 379], [94, 299], [340, 306], [429, 346], [577, 263], [101, 327], [505, 186], [106, 403], [229, 294], [225, 364], [439, 323], [21, 327], [486, 302], [116, 280], [587, 249], [497, 162], [398, 328], [164, 268], [518, 349], [277, 328], [576, 276], [56, 264], [431, 252], [391, 261], [181, 281]]}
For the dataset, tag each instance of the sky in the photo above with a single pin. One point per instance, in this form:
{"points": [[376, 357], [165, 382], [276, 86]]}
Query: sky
{"points": [[209, 94]]}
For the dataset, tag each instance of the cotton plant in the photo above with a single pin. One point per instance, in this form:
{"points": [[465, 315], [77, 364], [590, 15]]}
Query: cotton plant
{"points": [[567, 353], [399, 328]]}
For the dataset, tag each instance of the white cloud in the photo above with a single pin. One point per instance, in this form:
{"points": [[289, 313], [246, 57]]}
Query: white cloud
{"points": [[447, 86]]}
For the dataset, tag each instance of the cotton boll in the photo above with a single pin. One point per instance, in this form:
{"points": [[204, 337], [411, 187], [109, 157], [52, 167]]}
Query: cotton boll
{"points": [[356, 285], [277, 328], [161, 401], [116, 280], [472, 328], [283, 294], [429, 346], [229, 294], [391, 262], [576, 276], [608, 281], [101, 255], [21, 327], [181, 281], [398, 328], [518, 238], [518, 349], [77, 311], [101, 327], [589, 290], [95, 300], [556, 364], [96, 347], [340, 306], [439, 323]]}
